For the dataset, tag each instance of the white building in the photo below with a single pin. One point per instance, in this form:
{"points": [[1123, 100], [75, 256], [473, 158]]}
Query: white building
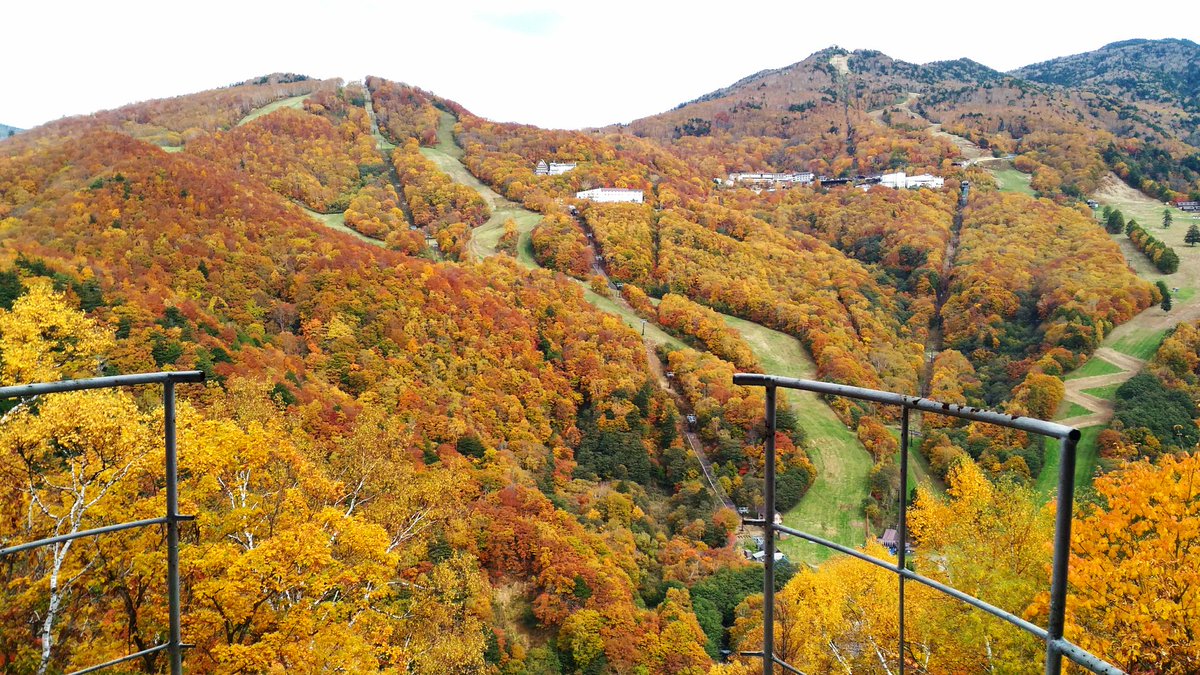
{"points": [[899, 180], [801, 178], [553, 168], [611, 195], [927, 181]]}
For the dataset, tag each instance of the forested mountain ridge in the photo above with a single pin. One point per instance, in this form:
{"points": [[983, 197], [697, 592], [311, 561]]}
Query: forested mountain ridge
{"points": [[171, 122], [189, 264], [1146, 70], [1128, 107], [412, 459]]}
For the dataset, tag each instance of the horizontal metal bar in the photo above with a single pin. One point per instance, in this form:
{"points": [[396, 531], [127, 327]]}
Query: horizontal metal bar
{"points": [[87, 533], [954, 593], [1018, 422], [786, 666], [774, 659], [1085, 659], [971, 600], [123, 659], [24, 390]]}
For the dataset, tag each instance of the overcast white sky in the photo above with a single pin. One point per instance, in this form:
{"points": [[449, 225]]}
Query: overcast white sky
{"points": [[550, 63]]}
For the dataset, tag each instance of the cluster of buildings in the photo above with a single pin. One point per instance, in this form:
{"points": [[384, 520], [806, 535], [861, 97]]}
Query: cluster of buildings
{"points": [[760, 553], [1191, 207], [772, 179], [760, 181], [603, 195]]}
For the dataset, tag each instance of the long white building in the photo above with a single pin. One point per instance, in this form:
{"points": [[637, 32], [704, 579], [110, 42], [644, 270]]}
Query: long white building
{"points": [[801, 178], [901, 181], [611, 195]]}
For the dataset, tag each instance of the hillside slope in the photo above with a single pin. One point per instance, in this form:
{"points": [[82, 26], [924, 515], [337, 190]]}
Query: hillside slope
{"points": [[412, 458], [1165, 71], [427, 403], [1128, 107]]}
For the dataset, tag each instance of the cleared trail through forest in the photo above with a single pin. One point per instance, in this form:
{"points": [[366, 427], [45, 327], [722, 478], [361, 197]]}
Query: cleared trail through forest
{"points": [[382, 144], [336, 222], [296, 102], [447, 155], [383, 147], [484, 239], [1101, 409], [833, 506], [934, 343], [971, 152], [1121, 354], [1125, 350]]}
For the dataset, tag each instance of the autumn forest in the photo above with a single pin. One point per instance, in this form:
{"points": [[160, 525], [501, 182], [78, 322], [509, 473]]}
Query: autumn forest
{"points": [[458, 419]]}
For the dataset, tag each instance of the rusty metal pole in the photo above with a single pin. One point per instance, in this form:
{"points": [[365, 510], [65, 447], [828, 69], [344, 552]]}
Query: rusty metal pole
{"points": [[903, 533], [1062, 551], [769, 530], [174, 640]]}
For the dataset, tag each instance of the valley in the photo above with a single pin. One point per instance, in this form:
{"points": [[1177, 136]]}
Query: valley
{"points": [[469, 403], [1088, 402], [831, 506]]}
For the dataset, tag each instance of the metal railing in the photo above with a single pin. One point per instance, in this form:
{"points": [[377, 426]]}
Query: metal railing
{"points": [[174, 645], [1056, 645]]}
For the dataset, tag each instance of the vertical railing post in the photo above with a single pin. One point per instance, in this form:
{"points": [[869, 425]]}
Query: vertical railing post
{"points": [[175, 640], [1062, 551], [903, 533], [1057, 646], [769, 539]]}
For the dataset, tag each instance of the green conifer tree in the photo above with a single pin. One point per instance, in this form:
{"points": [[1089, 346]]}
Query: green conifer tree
{"points": [[1193, 235], [1115, 222]]}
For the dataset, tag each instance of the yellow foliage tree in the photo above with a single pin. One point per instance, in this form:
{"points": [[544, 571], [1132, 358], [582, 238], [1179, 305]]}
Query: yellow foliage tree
{"points": [[43, 338], [1135, 569]]}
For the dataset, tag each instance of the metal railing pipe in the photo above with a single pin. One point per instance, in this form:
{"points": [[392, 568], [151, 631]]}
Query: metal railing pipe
{"points": [[27, 390], [80, 535], [174, 645], [1056, 646], [1085, 658], [175, 638], [1021, 423], [123, 659], [902, 543], [907, 574]]}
